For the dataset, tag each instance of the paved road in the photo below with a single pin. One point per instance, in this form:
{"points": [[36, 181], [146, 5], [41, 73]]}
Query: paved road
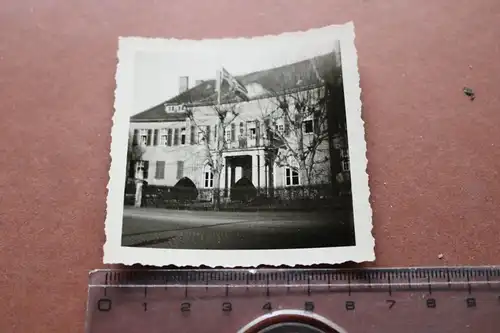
{"points": [[162, 228]]}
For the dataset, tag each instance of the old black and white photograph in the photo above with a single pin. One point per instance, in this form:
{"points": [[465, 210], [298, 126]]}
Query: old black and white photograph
{"points": [[239, 152]]}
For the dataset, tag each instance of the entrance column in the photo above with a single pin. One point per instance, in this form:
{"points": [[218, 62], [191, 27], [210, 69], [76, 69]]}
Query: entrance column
{"points": [[229, 170], [262, 169], [223, 182], [255, 170]]}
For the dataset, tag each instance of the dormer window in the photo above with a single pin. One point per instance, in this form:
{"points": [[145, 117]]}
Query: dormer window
{"points": [[171, 108]]}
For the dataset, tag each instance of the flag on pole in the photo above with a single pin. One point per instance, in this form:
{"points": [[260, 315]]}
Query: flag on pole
{"points": [[235, 85]]}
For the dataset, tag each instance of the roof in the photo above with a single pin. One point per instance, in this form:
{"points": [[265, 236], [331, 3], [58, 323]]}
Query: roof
{"points": [[157, 113], [299, 75]]}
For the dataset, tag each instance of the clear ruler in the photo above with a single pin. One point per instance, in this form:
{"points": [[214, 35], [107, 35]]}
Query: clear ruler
{"points": [[453, 299]]}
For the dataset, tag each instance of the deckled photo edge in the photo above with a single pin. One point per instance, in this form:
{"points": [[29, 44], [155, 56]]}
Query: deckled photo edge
{"points": [[115, 253]]}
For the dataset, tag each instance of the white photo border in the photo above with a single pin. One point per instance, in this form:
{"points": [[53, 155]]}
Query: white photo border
{"points": [[362, 251]]}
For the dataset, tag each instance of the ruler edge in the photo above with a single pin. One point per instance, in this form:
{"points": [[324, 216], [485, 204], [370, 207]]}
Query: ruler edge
{"points": [[292, 269]]}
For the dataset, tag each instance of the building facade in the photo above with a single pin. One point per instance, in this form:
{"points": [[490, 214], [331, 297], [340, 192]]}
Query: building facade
{"points": [[277, 138]]}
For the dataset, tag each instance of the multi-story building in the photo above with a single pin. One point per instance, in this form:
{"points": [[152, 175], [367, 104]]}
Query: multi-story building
{"points": [[276, 136]]}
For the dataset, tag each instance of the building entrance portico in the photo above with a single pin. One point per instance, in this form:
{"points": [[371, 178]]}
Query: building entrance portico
{"points": [[243, 164]]}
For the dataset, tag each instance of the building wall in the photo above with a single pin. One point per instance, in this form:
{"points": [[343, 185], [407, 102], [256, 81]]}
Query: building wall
{"points": [[194, 156]]}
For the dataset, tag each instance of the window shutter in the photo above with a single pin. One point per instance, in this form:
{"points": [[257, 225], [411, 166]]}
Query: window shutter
{"points": [[208, 134], [180, 169], [316, 125], [150, 137], [192, 135], [146, 170], [233, 132], [169, 137], [242, 129], [257, 131], [160, 170], [135, 138], [176, 137], [215, 133], [266, 127], [155, 139], [287, 125], [131, 169]]}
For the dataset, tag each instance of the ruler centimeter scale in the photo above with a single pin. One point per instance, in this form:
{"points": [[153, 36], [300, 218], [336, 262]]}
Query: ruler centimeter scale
{"points": [[434, 299]]}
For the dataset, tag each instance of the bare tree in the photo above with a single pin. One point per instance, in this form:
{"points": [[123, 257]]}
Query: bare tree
{"points": [[213, 154], [134, 151], [295, 123]]}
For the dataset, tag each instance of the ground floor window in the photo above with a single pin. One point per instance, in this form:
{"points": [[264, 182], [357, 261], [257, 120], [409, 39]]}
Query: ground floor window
{"points": [[160, 170], [144, 167], [291, 177], [209, 179]]}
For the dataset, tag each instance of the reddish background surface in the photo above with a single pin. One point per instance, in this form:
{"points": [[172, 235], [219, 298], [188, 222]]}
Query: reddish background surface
{"points": [[434, 156]]}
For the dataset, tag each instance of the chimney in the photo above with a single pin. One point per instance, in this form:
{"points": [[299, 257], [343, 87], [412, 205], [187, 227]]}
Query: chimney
{"points": [[198, 82], [183, 84]]}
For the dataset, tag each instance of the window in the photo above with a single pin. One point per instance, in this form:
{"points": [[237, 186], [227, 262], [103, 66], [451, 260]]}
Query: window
{"points": [[308, 126], [242, 129], [280, 128], [176, 137], [227, 134], [163, 137], [143, 137], [180, 169], [291, 177], [345, 165], [183, 136], [144, 167], [253, 133], [201, 136], [160, 170], [208, 177]]}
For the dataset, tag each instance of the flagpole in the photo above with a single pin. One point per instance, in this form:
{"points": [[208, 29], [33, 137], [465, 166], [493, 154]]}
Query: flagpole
{"points": [[219, 85]]}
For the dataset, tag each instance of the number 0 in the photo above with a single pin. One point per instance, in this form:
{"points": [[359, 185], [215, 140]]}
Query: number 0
{"points": [[104, 304]]}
